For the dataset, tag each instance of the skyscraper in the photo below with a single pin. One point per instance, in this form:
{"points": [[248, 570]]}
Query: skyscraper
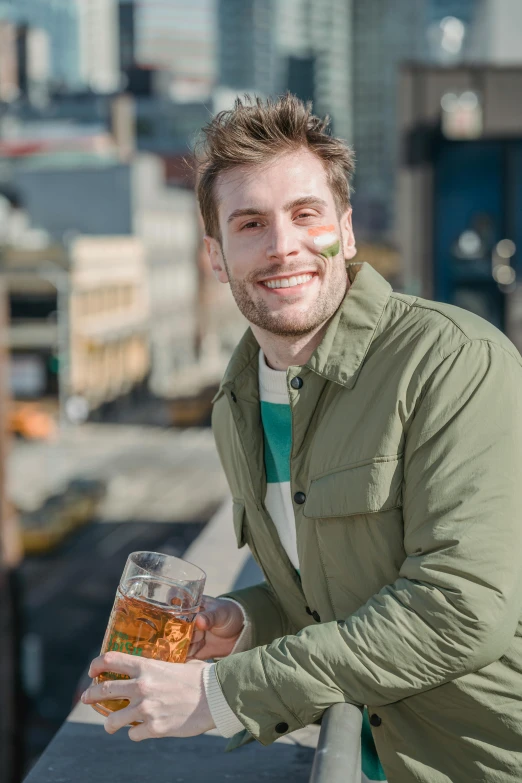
{"points": [[9, 76], [99, 44], [127, 32], [59, 19], [500, 31], [179, 36], [247, 45], [321, 32], [384, 36], [269, 46]]}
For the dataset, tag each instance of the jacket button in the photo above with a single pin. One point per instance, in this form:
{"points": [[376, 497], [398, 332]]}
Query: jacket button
{"points": [[296, 383], [308, 610], [300, 498], [281, 727], [375, 720], [316, 617], [233, 396]]}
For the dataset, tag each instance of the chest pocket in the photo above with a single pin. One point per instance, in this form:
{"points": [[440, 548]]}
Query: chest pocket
{"points": [[363, 488]]}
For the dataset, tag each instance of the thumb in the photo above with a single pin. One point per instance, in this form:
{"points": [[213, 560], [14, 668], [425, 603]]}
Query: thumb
{"points": [[205, 620]]}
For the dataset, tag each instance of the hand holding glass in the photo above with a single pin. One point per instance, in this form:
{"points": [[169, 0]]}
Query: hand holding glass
{"points": [[154, 613]]}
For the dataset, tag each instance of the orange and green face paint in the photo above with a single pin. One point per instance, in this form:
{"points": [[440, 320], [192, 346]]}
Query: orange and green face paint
{"points": [[325, 240]]}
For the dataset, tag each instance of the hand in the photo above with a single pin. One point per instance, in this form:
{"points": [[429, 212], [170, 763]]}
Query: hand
{"points": [[167, 699], [217, 629]]}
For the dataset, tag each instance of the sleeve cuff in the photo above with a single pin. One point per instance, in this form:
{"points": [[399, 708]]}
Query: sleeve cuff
{"points": [[225, 719]]}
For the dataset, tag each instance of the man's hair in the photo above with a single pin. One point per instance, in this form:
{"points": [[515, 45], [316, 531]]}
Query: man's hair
{"points": [[256, 131]]}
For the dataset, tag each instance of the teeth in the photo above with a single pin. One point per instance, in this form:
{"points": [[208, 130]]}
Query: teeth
{"points": [[286, 282]]}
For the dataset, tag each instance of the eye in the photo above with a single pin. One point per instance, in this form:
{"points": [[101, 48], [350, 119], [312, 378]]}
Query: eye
{"points": [[302, 215], [251, 224]]}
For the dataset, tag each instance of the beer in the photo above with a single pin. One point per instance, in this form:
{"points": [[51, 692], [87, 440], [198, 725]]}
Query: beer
{"points": [[142, 626]]}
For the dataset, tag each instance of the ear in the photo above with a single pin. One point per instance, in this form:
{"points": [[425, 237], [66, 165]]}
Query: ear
{"points": [[349, 249], [216, 258]]}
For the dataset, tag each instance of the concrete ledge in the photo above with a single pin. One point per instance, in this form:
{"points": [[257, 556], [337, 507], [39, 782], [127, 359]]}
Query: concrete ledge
{"points": [[82, 752]]}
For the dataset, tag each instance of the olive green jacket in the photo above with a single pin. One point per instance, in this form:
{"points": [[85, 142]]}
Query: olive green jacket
{"points": [[406, 474]]}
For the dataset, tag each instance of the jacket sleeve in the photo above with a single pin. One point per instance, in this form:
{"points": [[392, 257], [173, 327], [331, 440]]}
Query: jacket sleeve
{"points": [[267, 618], [455, 605]]}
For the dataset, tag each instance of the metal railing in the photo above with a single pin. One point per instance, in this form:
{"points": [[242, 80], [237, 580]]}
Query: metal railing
{"points": [[338, 755]]}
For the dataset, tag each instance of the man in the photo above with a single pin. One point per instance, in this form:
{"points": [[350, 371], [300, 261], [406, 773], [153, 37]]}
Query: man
{"points": [[372, 442]]}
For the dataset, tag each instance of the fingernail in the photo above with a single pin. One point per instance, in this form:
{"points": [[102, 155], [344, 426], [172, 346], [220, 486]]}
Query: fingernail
{"points": [[83, 696]]}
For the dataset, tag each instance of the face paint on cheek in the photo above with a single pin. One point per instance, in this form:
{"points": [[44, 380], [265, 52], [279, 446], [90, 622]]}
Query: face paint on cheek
{"points": [[326, 240]]}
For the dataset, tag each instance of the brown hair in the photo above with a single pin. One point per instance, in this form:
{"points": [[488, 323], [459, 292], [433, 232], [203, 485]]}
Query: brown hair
{"points": [[255, 131]]}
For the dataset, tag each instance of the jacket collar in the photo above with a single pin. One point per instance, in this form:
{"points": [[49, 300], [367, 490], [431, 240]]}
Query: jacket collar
{"points": [[341, 353]]}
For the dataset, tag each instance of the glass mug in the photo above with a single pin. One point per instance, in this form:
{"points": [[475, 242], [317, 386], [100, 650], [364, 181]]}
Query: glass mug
{"points": [[153, 615]]}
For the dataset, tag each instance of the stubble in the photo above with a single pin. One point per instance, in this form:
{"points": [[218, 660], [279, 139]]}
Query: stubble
{"points": [[258, 313]]}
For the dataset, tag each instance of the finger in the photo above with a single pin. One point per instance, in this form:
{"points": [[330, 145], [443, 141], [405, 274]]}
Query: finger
{"points": [[194, 649], [202, 623], [207, 619], [117, 662], [197, 636], [120, 718], [110, 689], [141, 732], [219, 619], [196, 645]]}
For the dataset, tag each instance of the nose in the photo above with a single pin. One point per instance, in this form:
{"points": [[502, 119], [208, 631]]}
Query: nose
{"points": [[283, 241]]}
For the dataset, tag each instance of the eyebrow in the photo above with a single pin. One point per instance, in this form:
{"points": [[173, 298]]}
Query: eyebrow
{"points": [[288, 207]]}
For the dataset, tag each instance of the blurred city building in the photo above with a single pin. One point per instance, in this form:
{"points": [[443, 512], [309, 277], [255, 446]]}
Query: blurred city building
{"points": [[178, 37], [78, 319], [84, 37], [166, 127], [11, 693], [98, 44], [384, 36], [268, 47], [498, 31], [461, 188], [101, 188], [25, 63], [166, 221], [91, 194], [60, 21], [9, 82], [127, 33], [320, 33], [247, 46], [33, 64], [109, 318]]}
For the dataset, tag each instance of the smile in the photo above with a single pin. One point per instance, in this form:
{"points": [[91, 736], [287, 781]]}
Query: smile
{"points": [[288, 282]]}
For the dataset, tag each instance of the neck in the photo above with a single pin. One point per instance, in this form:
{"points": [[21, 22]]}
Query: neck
{"points": [[282, 352]]}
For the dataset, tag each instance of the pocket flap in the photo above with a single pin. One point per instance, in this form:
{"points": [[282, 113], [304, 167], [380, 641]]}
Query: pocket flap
{"points": [[238, 515], [357, 489]]}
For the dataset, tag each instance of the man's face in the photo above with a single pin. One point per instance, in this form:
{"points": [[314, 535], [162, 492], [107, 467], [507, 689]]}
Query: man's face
{"points": [[283, 244]]}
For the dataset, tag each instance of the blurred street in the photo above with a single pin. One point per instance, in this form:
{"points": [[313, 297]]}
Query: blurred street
{"points": [[162, 487]]}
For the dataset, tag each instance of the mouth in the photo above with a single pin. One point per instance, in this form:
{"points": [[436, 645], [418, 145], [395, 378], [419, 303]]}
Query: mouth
{"points": [[291, 281]]}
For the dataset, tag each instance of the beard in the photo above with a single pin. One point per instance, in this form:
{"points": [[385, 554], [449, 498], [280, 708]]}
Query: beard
{"points": [[292, 324]]}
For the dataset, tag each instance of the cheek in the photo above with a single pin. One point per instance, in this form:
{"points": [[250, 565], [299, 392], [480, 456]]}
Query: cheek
{"points": [[243, 258], [237, 266]]}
